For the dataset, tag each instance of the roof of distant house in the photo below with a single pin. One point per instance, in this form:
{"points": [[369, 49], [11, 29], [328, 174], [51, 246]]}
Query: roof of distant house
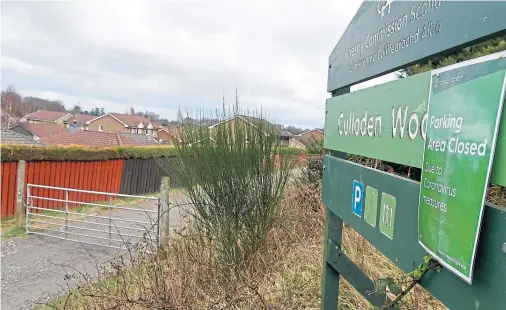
{"points": [[43, 130], [129, 120], [302, 140], [172, 130], [141, 139], [284, 133], [260, 123], [81, 119], [10, 137], [316, 129], [91, 138], [44, 115]]}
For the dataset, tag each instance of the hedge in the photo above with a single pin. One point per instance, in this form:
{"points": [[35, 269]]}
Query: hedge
{"points": [[80, 153], [83, 153]]}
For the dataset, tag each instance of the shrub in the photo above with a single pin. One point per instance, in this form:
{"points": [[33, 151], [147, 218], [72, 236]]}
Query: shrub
{"points": [[234, 175]]}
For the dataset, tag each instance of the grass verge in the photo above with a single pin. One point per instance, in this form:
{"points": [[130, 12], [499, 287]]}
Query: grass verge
{"points": [[285, 274]]}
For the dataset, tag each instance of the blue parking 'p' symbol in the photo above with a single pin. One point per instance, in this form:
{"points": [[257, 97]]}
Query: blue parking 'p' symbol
{"points": [[358, 198]]}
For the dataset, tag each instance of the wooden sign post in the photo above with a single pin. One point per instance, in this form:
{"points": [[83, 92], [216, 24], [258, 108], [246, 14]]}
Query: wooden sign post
{"points": [[393, 122]]}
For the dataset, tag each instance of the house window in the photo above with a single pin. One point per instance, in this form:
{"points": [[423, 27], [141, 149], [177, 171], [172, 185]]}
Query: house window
{"points": [[100, 127]]}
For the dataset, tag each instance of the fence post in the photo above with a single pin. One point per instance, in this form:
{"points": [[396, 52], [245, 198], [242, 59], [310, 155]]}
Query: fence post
{"points": [[20, 193], [164, 210]]}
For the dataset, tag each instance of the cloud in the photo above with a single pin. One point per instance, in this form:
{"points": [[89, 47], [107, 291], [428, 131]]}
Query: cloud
{"points": [[161, 55]]}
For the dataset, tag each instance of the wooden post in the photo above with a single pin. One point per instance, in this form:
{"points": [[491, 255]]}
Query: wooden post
{"points": [[330, 277], [164, 211], [20, 193], [334, 233]]}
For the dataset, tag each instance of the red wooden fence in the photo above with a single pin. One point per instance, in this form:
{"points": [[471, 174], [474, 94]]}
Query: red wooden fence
{"points": [[103, 176], [9, 181]]}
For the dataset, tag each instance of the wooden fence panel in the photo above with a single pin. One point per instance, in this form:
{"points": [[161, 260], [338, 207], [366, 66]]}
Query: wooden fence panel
{"points": [[115, 166], [127, 176], [36, 180], [103, 176], [138, 176], [76, 166], [119, 172], [9, 181], [87, 178], [143, 176], [5, 188], [13, 184]]}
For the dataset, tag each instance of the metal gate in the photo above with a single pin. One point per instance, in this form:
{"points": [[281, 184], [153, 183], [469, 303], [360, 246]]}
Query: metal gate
{"points": [[111, 220]]}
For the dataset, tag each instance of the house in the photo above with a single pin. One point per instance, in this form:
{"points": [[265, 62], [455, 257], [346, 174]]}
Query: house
{"points": [[299, 142], [45, 117], [168, 134], [285, 137], [91, 138], [121, 123], [315, 133], [10, 137], [78, 121], [262, 124], [304, 139], [36, 131]]}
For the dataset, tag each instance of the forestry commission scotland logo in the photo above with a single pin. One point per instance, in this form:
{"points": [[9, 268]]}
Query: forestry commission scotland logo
{"points": [[384, 5]]}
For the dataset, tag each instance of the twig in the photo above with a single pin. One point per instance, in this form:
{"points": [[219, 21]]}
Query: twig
{"points": [[433, 264]]}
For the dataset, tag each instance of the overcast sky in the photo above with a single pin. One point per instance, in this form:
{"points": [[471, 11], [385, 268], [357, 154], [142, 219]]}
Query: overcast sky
{"points": [[161, 55]]}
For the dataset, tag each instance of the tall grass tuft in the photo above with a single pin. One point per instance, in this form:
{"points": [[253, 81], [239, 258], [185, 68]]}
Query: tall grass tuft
{"points": [[233, 175]]}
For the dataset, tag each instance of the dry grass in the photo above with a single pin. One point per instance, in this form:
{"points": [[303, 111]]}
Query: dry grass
{"points": [[286, 274], [497, 195]]}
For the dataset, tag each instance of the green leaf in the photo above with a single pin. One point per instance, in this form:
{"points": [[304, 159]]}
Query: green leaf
{"points": [[427, 258]]}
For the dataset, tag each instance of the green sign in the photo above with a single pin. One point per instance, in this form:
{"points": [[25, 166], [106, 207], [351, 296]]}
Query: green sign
{"points": [[463, 118], [386, 35], [388, 122], [403, 248]]}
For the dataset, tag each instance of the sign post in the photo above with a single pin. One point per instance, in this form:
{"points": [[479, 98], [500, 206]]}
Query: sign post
{"points": [[464, 112], [444, 124]]}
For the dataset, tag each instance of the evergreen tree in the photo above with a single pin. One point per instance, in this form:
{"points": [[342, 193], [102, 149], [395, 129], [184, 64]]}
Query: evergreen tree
{"points": [[481, 49]]}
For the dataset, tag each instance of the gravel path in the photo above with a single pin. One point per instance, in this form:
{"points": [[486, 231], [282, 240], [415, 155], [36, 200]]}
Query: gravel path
{"points": [[34, 267]]}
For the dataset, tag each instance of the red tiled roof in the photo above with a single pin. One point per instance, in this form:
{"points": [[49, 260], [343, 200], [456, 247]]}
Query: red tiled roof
{"points": [[90, 138], [43, 130], [46, 115], [81, 119]]}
